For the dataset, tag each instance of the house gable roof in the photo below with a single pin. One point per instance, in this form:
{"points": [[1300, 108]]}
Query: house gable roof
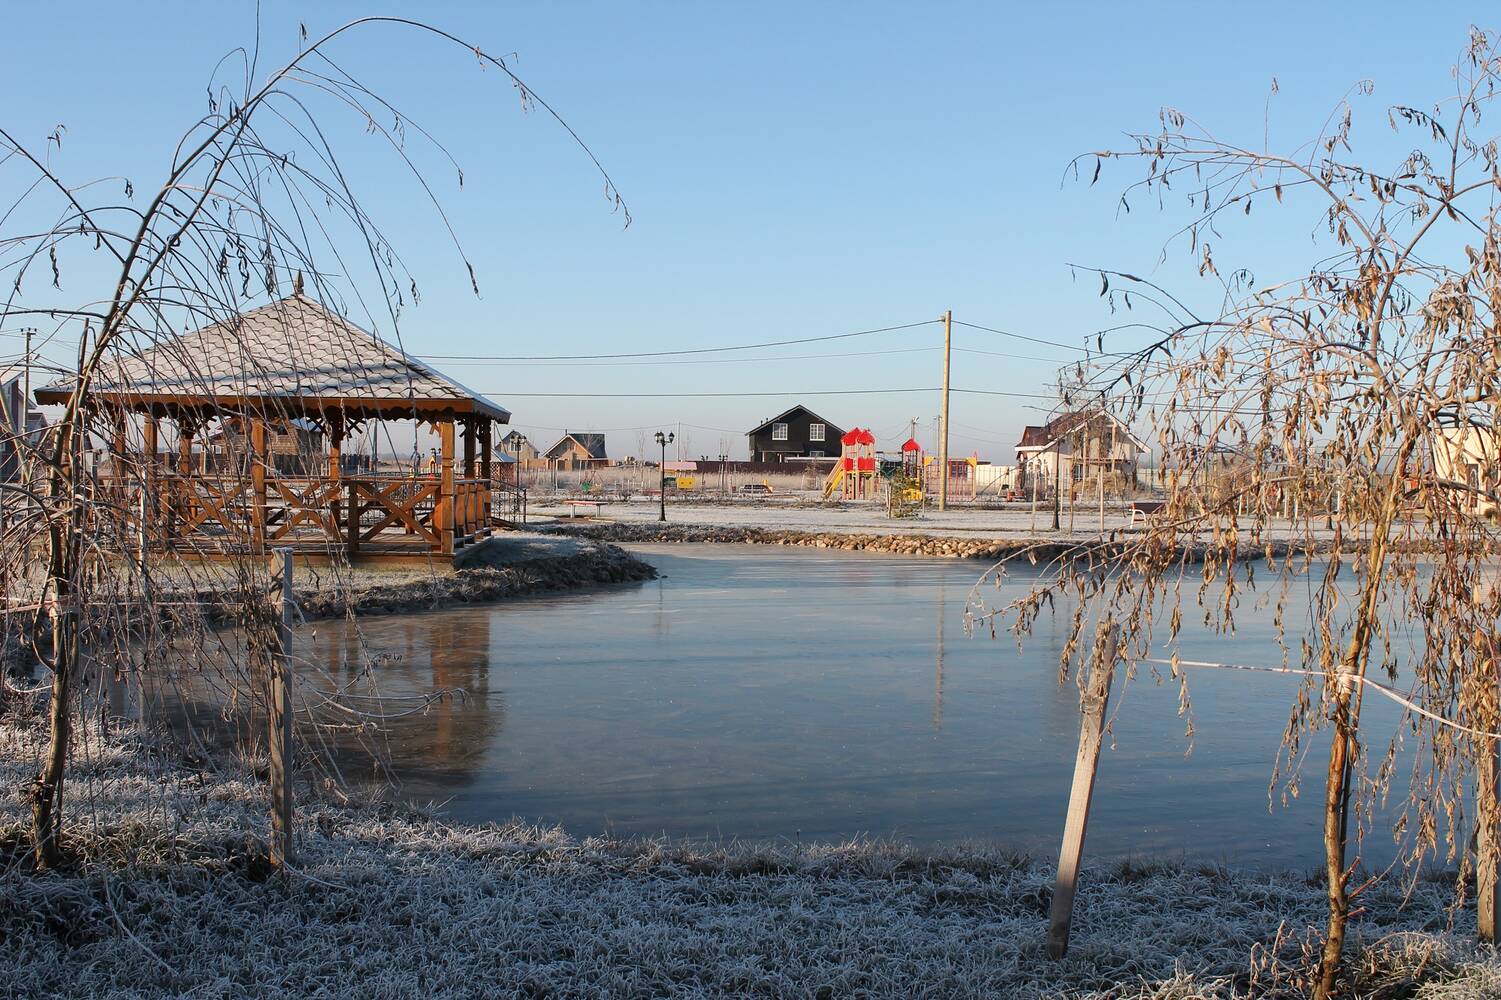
{"points": [[1041, 438], [593, 445], [789, 412], [293, 349]]}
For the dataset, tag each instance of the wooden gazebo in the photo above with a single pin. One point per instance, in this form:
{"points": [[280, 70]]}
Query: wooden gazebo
{"points": [[292, 359]]}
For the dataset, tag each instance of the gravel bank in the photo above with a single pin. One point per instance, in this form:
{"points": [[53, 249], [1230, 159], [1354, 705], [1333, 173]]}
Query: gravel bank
{"points": [[477, 581], [936, 546], [170, 896]]}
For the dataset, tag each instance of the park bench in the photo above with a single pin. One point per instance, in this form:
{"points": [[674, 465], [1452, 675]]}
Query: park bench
{"points": [[1146, 508], [574, 505]]}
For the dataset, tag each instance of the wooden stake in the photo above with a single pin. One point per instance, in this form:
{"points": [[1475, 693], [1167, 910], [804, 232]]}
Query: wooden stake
{"points": [[1100, 476], [279, 713], [943, 430], [1488, 825], [1091, 731]]}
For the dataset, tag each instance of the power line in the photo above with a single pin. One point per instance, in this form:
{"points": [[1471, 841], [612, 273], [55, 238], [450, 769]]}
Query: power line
{"points": [[733, 395], [1039, 340], [1021, 336], [621, 430], [698, 361], [1014, 357], [765, 360], [663, 354]]}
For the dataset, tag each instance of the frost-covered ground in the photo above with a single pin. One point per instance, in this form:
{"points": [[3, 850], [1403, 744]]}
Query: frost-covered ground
{"points": [[172, 898]]}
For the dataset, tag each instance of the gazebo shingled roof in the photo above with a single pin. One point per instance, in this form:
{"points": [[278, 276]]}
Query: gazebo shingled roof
{"points": [[293, 352]]}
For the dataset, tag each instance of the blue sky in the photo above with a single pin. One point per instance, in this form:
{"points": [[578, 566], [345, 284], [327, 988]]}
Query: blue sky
{"points": [[793, 170]]}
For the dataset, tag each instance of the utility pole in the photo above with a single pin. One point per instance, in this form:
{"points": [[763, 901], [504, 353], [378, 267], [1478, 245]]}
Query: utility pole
{"points": [[943, 431]]}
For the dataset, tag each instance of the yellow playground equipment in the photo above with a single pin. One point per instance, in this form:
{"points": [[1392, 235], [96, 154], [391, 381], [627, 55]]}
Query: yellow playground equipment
{"points": [[856, 474]]}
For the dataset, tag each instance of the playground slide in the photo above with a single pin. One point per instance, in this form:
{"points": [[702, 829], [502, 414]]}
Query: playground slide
{"points": [[835, 477]]}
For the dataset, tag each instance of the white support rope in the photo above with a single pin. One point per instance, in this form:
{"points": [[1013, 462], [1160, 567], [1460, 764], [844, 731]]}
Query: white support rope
{"points": [[1383, 689]]}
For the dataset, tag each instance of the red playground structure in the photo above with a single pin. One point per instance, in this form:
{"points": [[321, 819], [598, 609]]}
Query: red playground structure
{"points": [[856, 473], [912, 458]]}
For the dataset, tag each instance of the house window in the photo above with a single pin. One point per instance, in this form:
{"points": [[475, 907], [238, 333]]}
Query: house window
{"points": [[815, 454], [779, 432], [815, 432]]}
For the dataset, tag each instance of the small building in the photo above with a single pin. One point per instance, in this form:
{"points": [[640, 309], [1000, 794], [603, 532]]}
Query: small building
{"points": [[519, 448], [294, 447], [578, 451], [1078, 446], [1465, 458], [797, 433], [19, 422]]}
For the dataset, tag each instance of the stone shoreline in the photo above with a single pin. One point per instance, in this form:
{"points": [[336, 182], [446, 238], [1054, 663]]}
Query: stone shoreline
{"points": [[592, 565], [364, 593], [933, 546]]}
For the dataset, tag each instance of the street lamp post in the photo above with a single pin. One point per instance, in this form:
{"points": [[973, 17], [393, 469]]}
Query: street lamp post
{"points": [[664, 440]]}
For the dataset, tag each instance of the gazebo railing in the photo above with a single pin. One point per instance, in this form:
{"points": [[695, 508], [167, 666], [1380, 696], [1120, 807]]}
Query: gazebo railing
{"points": [[352, 511]]}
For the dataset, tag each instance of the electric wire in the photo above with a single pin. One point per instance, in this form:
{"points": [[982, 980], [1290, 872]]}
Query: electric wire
{"points": [[663, 354]]}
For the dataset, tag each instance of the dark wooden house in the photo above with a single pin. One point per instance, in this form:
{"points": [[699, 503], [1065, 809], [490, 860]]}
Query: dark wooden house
{"points": [[793, 434]]}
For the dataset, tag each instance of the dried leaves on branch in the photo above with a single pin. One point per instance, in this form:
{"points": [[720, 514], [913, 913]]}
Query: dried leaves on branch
{"points": [[1349, 409]]}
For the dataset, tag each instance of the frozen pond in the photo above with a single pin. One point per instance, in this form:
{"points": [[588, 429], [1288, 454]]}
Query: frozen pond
{"points": [[792, 693]]}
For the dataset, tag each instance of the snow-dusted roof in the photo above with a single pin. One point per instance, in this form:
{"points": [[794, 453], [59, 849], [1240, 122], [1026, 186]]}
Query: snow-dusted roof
{"points": [[290, 349], [593, 444]]}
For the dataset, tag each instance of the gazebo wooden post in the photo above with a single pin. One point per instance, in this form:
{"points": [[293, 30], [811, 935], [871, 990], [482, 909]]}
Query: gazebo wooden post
{"points": [[486, 432], [182, 492], [117, 457], [445, 488], [184, 447], [334, 421], [117, 466], [470, 426], [487, 469], [335, 443], [150, 431], [466, 511], [258, 482]]}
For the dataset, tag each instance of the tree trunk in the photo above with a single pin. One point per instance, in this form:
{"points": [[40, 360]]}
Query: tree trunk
{"points": [[47, 790], [47, 795], [1336, 829], [1345, 747], [64, 537]]}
